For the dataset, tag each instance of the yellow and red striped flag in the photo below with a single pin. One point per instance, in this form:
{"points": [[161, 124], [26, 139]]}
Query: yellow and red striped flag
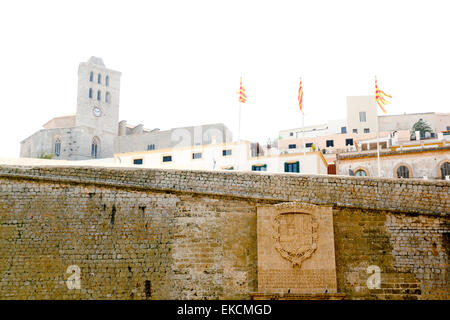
{"points": [[242, 96], [381, 97], [300, 96]]}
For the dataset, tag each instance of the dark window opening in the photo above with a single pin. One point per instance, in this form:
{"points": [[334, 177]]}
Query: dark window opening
{"points": [[292, 167], [57, 147], [148, 289], [259, 168], [360, 173], [94, 148], [167, 158], [197, 155], [330, 143], [137, 161], [445, 169], [349, 142], [403, 172], [292, 146], [309, 145], [343, 129], [226, 152], [151, 147]]}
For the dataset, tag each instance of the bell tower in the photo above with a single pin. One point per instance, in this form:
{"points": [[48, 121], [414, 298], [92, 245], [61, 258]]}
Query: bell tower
{"points": [[98, 96]]}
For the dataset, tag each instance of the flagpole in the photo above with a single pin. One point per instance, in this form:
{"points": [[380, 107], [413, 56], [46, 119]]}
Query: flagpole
{"points": [[303, 131], [378, 139], [378, 149], [239, 131], [303, 122], [239, 122], [381, 101]]}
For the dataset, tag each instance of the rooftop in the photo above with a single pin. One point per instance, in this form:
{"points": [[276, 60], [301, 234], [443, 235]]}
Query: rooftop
{"points": [[96, 60], [394, 152]]}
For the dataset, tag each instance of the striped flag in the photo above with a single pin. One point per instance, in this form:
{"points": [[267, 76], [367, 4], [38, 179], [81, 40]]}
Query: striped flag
{"points": [[381, 97], [242, 96], [300, 97]]}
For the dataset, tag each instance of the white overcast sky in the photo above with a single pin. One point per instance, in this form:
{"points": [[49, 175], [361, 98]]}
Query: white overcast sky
{"points": [[181, 60]]}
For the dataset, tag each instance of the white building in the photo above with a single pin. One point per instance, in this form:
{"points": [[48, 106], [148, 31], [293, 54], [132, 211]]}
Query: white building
{"points": [[362, 119], [241, 156], [346, 135], [429, 159]]}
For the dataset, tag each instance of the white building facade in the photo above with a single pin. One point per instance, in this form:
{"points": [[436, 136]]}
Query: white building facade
{"points": [[227, 156], [427, 159]]}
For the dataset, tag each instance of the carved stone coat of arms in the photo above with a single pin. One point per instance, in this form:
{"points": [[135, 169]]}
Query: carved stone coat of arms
{"points": [[295, 234]]}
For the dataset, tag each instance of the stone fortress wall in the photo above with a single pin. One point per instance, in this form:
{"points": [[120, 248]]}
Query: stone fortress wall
{"points": [[168, 234]]}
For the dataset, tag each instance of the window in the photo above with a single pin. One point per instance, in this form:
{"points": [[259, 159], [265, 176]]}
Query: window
{"points": [[360, 173], [95, 147], [355, 130], [197, 155], [362, 116], [99, 78], [151, 147], [291, 134], [292, 167], [91, 76], [90, 93], [228, 168], [167, 158], [292, 146], [366, 130], [308, 145], [445, 169], [330, 143], [226, 152], [448, 128], [99, 95], [402, 172], [349, 142], [57, 147], [343, 129], [108, 97], [137, 161], [259, 168], [107, 81]]}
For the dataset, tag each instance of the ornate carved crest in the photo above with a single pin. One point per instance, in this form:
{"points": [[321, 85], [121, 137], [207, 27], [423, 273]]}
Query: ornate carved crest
{"points": [[295, 231]]}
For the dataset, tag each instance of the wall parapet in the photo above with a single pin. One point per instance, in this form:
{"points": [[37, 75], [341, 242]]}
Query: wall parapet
{"points": [[405, 195]]}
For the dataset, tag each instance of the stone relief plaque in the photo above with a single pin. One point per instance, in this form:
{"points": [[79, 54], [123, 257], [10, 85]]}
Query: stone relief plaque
{"points": [[296, 249], [295, 235]]}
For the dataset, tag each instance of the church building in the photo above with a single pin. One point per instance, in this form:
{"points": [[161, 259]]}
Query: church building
{"points": [[95, 132]]}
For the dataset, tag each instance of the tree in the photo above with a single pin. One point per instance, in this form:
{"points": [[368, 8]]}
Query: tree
{"points": [[421, 126], [45, 155]]}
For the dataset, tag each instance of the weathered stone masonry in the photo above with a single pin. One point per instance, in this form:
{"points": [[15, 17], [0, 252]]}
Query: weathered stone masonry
{"points": [[168, 234]]}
